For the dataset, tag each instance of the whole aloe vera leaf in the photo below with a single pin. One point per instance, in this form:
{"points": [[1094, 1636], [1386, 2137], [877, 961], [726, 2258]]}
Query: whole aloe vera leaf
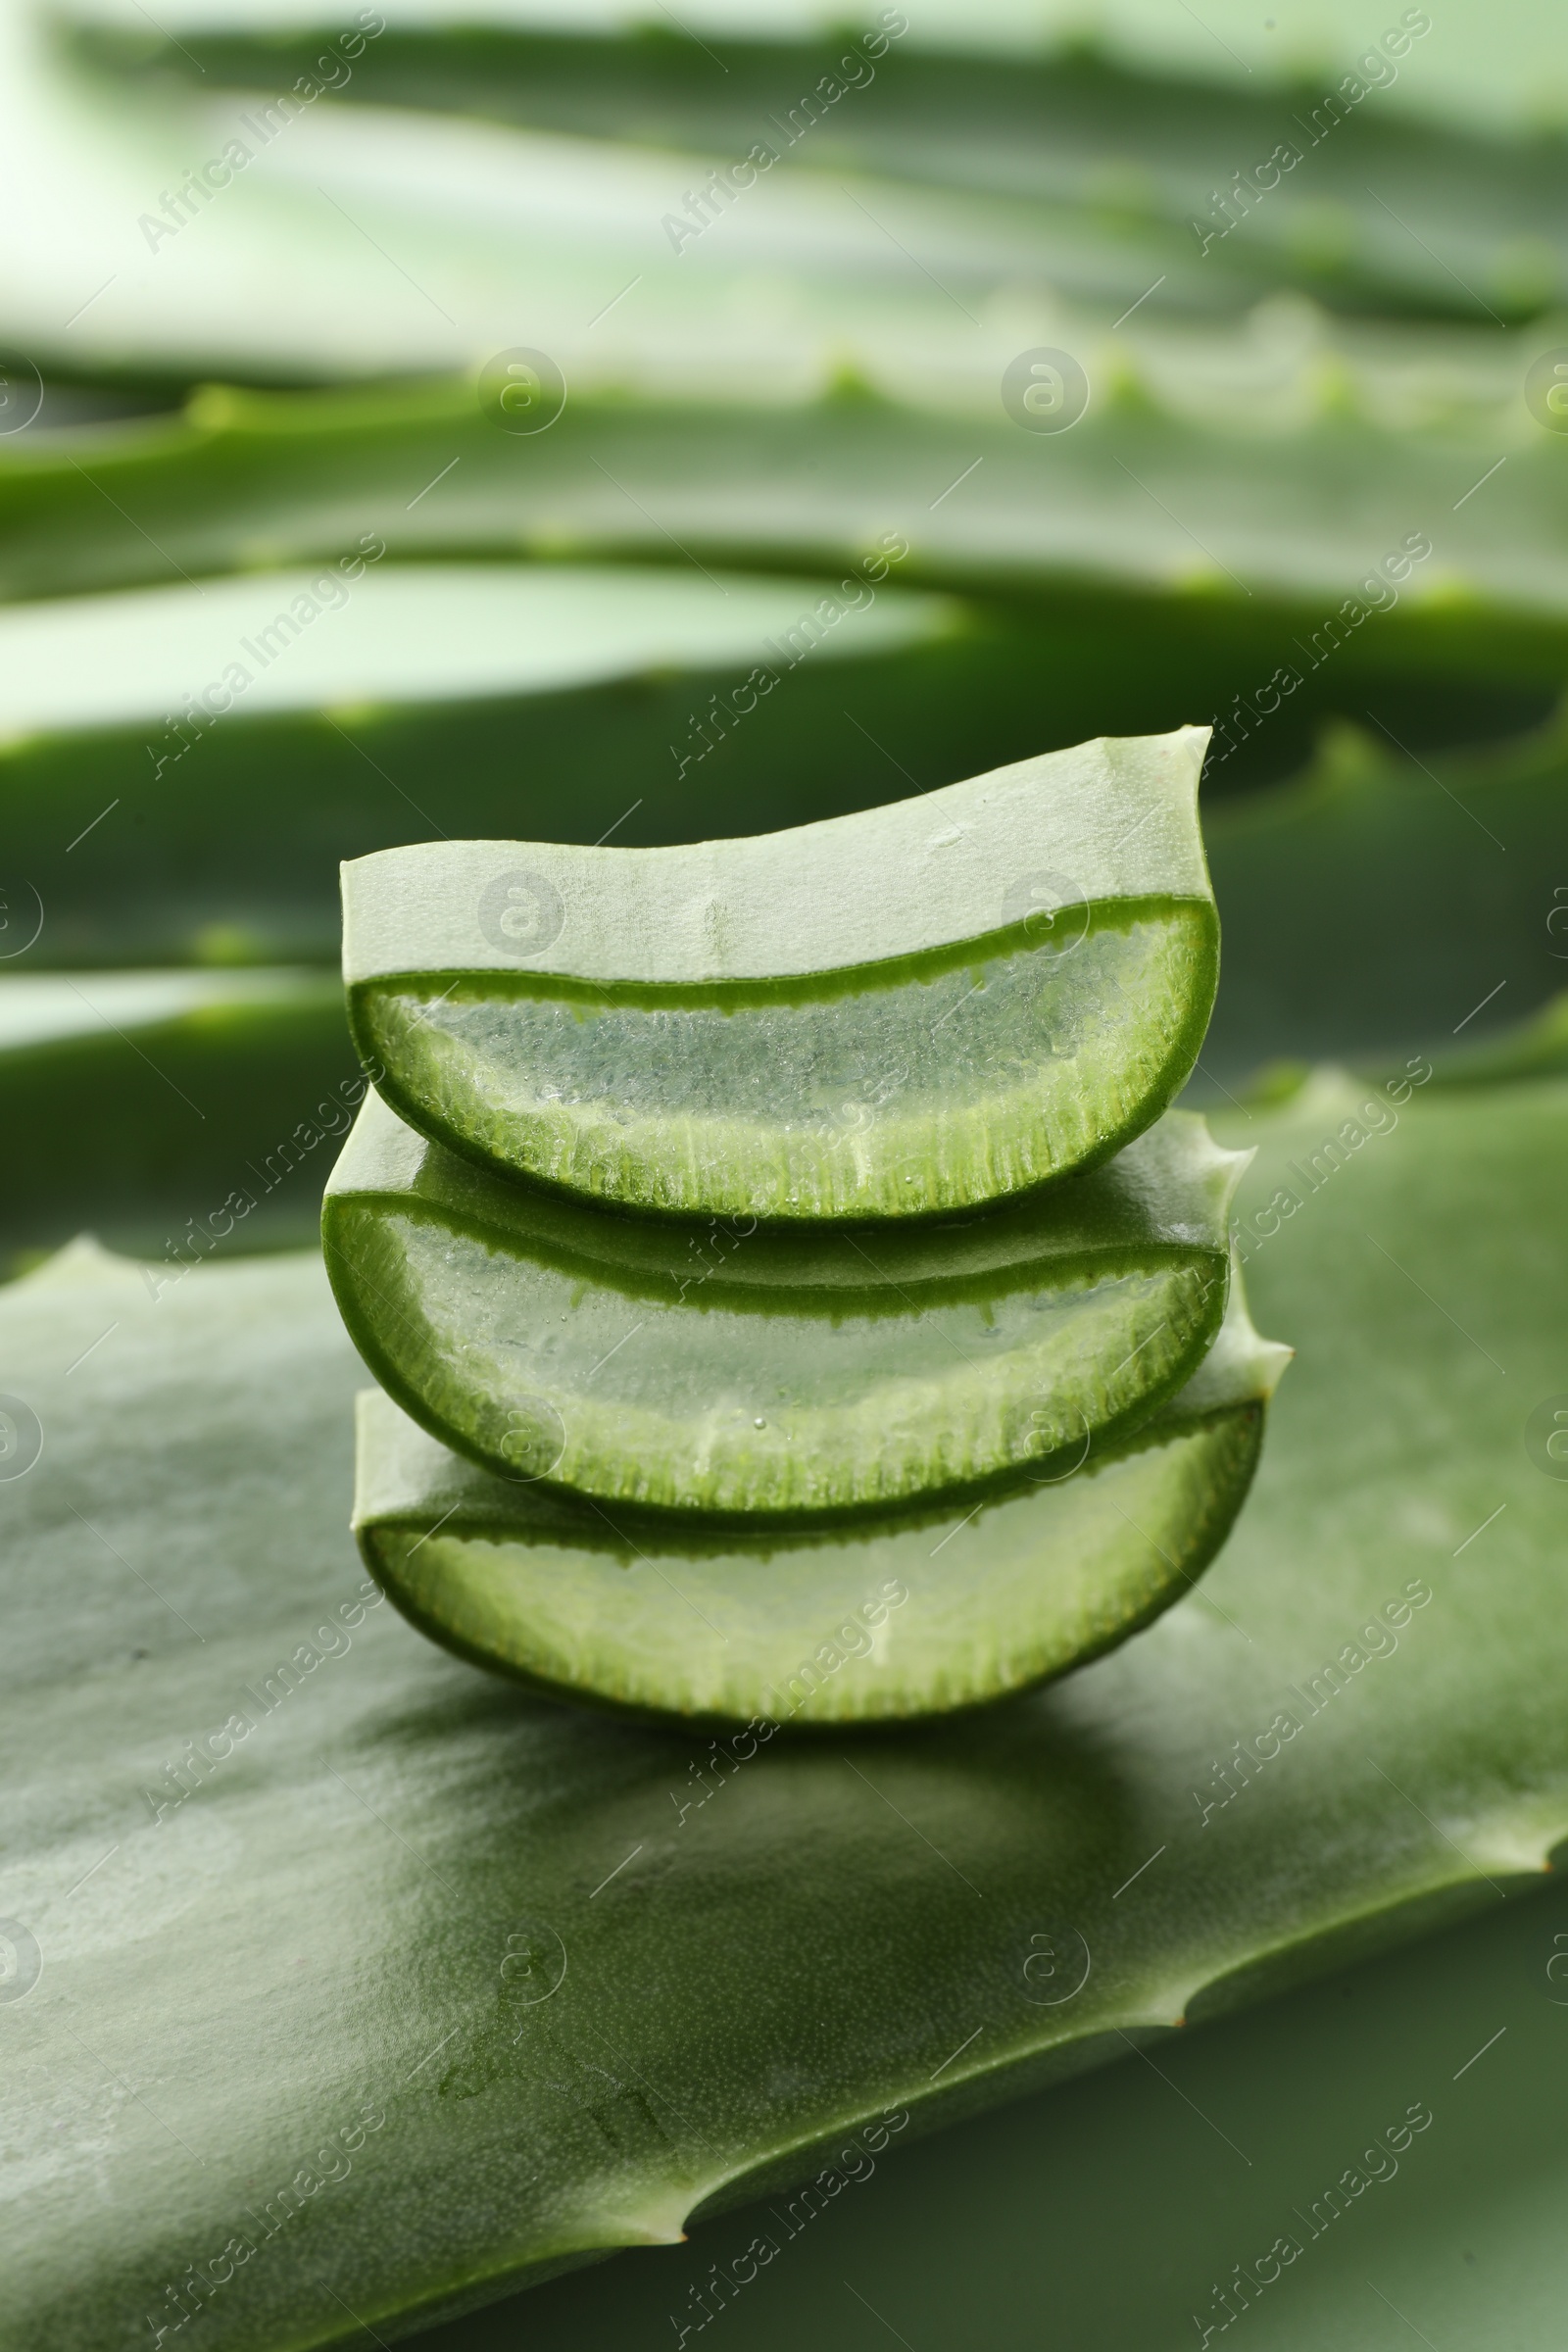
{"points": [[1468, 76], [153, 837], [412, 633], [1065, 131], [919, 1008], [174, 1113], [724, 2017], [731, 1368], [1385, 904], [1038, 1582], [372, 242], [1321, 506]]}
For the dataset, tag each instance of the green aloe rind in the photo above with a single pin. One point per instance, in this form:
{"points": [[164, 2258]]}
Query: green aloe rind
{"points": [[919, 1008], [520, 2059], [926, 1612], [727, 1368]]}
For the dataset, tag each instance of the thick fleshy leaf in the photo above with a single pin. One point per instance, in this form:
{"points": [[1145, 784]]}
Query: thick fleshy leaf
{"points": [[1164, 2182], [354, 242], [1303, 456], [1514, 86], [730, 1628], [411, 633], [308, 2083], [730, 1367], [1065, 131], [925, 1007]]}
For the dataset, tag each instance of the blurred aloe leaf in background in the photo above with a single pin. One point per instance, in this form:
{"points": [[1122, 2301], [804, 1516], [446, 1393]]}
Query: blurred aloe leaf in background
{"points": [[1277, 415], [1323, 193]]}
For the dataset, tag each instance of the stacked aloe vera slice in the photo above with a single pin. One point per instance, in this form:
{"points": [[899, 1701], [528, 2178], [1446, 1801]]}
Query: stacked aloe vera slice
{"points": [[792, 1296]]}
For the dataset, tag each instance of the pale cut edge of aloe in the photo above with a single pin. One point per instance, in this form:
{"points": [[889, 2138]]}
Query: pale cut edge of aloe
{"points": [[1114, 818], [916, 1615], [440, 1276], [1173, 1185]]}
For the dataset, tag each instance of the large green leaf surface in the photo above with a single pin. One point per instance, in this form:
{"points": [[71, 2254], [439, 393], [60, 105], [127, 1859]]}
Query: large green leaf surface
{"points": [[376, 241], [1106, 2211], [405, 1889]]}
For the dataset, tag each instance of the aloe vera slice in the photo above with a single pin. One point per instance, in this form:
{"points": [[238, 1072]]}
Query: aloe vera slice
{"points": [[915, 1009], [1426, 916], [909, 1616], [740, 1369], [320, 1921]]}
